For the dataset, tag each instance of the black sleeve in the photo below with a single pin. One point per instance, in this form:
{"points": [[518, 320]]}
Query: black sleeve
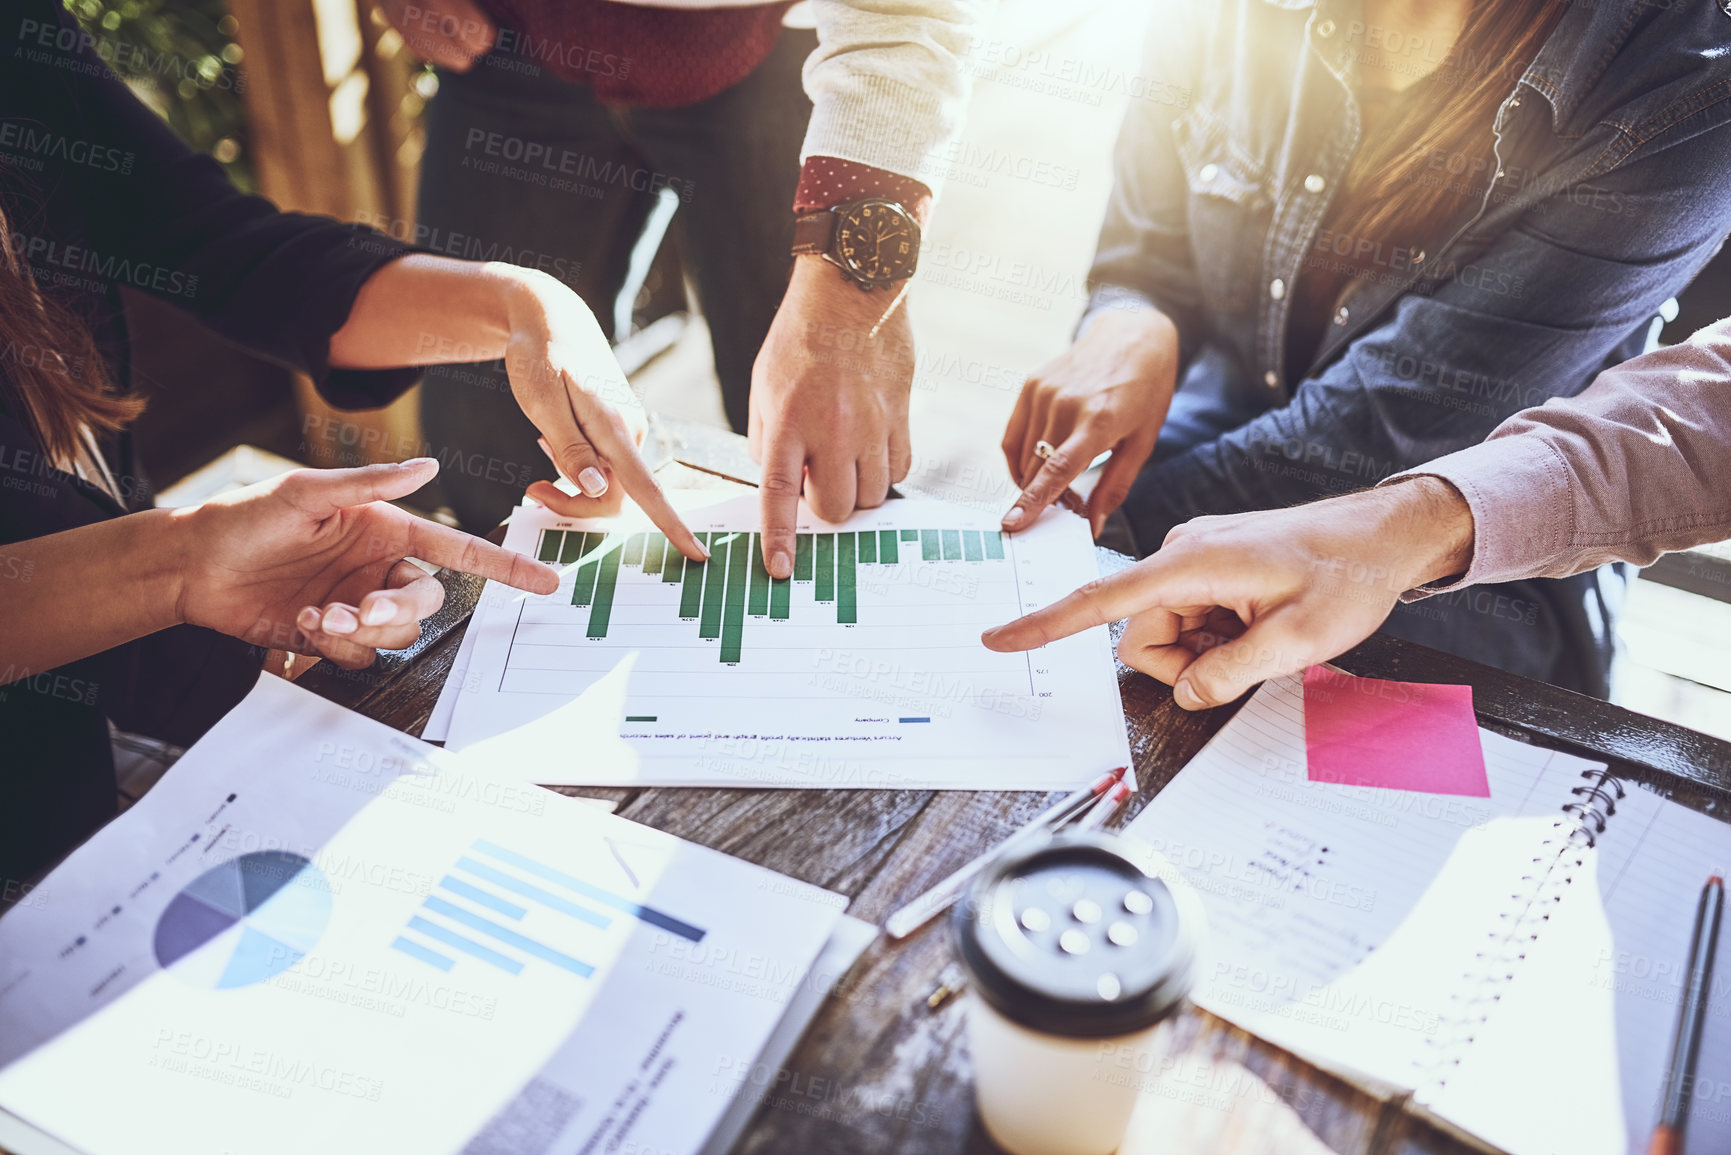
{"points": [[166, 220]]}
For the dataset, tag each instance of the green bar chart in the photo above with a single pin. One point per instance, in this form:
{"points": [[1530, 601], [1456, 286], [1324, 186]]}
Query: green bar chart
{"points": [[733, 588], [863, 668]]}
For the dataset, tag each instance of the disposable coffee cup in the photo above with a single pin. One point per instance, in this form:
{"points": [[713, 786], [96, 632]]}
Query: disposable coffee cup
{"points": [[1077, 957]]}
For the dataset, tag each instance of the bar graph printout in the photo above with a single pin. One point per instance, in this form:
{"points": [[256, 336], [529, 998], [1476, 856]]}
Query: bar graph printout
{"points": [[864, 669]]}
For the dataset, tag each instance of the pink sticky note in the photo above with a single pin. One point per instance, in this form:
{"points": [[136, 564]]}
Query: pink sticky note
{"points": [[1396, 735]]}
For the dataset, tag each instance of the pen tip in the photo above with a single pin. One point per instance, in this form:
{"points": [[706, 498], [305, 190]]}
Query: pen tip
{"points": [[1715, 880], [1118, 774]]}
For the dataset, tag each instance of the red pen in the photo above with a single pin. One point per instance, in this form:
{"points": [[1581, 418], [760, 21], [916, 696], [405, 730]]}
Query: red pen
{"points": [[1103, 811]]}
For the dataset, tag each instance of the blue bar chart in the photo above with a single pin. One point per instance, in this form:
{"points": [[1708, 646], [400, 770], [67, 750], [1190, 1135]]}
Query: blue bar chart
{"points": [[478, 914]]}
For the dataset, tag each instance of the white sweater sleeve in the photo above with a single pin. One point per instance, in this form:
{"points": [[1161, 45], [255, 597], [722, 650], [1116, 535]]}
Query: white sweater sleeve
{"points": [[889, 83]]}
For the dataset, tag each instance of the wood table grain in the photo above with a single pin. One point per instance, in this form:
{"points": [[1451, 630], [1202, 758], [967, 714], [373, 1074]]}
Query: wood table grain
{"points": [[880, 1072]]}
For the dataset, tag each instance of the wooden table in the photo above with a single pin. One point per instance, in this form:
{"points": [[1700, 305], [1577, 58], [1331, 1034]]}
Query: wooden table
{"points": [[880, 1072]]}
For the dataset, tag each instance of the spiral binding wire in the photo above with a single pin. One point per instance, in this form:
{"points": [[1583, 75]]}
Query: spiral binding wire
{"points": [[1559, 856]]}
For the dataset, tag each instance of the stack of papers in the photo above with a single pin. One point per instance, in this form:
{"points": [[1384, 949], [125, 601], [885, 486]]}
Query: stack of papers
{"points": [[317, 934]]}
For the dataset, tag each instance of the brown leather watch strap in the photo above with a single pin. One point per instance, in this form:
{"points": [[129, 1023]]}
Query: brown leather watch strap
{"points": [[813, 233]]}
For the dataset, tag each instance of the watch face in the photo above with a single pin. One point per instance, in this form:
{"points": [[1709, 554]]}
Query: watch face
{"points": [[877, 242]]}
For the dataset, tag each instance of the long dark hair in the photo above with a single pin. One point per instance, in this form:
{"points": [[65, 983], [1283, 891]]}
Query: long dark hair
{"points": [[1394, 191], [50, 369]]}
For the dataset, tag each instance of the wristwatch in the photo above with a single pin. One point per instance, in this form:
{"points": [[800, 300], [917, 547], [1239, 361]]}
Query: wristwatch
{"points": [[874, 242]]}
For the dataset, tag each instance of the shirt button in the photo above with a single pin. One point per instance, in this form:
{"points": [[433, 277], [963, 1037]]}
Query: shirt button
{"points": [[1271, 379], [1314, 183], [1209, 172], [1341, 315], [1325, 29], [1277, 288]]}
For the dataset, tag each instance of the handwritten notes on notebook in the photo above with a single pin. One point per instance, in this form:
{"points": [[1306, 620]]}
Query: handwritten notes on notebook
{"points": [[1519, 981], [1394, 735], [1305, 882]]}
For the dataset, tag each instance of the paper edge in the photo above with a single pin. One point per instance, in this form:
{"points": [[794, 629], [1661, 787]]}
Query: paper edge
{"points": [[840, 953]]}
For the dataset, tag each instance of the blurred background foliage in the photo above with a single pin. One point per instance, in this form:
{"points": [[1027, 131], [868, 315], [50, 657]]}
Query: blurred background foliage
{"points": [[181, 58]]}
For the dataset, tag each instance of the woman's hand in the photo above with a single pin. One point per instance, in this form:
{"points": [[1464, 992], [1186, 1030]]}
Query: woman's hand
{"points": [[1108, 391], [1232, 601], [427, 310], [315, 562], [569, 383]]}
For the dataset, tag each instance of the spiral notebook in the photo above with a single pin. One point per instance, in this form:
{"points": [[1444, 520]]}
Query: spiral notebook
{"points": [[1510, 967]]}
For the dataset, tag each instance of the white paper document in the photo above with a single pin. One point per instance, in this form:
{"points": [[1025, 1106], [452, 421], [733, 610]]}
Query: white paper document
{"points": [[1306, 882], [317, 934], [865, 669], [1511, 965]]}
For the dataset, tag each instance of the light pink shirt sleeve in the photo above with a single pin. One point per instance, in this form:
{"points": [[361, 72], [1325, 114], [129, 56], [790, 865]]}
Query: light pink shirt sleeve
{"points": [[1637, 465]]}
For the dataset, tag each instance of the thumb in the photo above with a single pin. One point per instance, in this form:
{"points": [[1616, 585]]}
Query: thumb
{"points": [[1268, 649], [321, 492]]}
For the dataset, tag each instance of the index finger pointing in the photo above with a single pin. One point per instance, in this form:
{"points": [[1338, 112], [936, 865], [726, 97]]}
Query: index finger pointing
{"points": [[607, 432], [783, 472], [1141, 587], [457, 550], [634, 475]]}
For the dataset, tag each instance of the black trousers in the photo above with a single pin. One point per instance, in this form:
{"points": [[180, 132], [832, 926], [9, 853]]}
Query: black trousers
{"points": [[536, 171]]}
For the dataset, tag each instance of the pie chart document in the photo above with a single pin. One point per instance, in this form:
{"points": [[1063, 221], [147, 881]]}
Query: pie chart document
{"points": [[275, 903], [319, 934], [864, 668]]}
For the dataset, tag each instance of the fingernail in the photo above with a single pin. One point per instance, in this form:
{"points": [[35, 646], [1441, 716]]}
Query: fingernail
{"points": [[376, 614], [307, 619], [417, 462], [780, 566], [1014, 517], [340, 620], [591, 482], [1186, 697]]}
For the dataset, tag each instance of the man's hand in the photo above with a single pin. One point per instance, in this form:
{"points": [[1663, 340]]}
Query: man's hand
{"points": [[451, 33], [314, 562], [1232, 601], [829, 403], [1108, 391]]}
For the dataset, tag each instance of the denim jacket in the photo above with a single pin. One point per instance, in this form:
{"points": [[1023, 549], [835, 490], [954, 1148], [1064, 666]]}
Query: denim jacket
{"points": [[1612, 187]]}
